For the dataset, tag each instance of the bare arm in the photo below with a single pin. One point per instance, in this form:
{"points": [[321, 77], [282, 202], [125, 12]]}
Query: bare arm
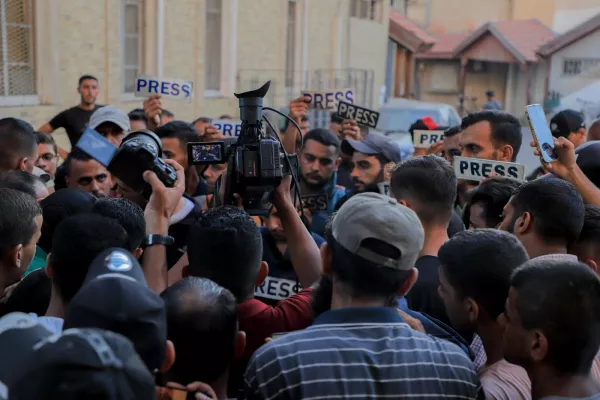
{"points": [[298, 110], [304, 252], [158, 212], [46, 128]]}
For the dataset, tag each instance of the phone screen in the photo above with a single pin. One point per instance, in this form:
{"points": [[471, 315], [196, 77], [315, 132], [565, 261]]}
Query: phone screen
{"points": [[541, 132]]}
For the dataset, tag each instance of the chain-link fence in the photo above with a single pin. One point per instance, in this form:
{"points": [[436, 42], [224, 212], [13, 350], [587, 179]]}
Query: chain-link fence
{"points": [[284, 89], [17, 75]]}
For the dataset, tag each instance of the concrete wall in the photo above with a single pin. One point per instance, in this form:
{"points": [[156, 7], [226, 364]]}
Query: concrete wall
{"points": [[78, 37], [585, 48]]}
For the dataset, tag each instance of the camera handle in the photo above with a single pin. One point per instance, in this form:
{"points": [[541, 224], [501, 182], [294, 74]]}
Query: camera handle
{"points": [[293, 173]]}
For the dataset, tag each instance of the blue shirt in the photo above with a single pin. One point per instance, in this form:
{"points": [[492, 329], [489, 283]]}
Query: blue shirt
{"points": [[492, 105], [282, 281], [361, 353]]}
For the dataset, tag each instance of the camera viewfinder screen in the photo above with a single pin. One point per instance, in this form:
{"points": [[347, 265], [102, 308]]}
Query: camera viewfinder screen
{"points": [[207, 153]]}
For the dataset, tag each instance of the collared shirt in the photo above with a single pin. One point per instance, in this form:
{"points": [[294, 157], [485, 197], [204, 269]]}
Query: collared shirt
{"points": [[505, 381], [362, 353], [557, 257], [282, 281]]}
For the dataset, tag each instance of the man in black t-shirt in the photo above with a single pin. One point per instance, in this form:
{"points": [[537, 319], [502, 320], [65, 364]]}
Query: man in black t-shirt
{"points": [[427, 185], [74, 120]]}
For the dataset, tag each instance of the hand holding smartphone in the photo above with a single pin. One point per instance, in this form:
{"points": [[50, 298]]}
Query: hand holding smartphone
{"points": [[541, 133]]}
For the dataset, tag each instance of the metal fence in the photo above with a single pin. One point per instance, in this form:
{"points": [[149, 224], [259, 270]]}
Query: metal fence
{"points": [[280, 94], [17, 75]]}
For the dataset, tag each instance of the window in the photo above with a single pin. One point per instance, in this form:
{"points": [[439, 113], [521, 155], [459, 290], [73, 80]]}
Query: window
{"points": [[574, 67], [132, 44], [212, 72], [290, 48], [17, 78], [367, 9], [444, 77]]}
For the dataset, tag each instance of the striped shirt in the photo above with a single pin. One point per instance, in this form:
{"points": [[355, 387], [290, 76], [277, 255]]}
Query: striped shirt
{"points": [[360, 353]]}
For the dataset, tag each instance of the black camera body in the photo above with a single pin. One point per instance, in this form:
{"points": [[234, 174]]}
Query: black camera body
{"points": [[256, 162], [139, 151]]}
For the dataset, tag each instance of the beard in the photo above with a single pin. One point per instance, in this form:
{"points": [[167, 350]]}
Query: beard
{"points": [[317, 184], [366, 188]]}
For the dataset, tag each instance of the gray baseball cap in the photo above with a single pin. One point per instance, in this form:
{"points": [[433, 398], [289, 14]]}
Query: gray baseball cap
{"points": [[373, 144], [110, 114], [376, 216]]}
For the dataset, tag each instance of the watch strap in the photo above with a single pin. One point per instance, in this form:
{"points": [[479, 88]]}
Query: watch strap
{"points": [[165, 240]]}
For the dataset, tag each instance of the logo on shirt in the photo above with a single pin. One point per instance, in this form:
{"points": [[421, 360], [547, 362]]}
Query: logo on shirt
{"points": [[277, 288], [316, 202]]}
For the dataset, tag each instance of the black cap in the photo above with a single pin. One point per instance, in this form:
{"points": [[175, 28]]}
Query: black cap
{"points": [[116, 297], [565, 122], [490, 93], [84, 363], [19, 333], [374, 144]]}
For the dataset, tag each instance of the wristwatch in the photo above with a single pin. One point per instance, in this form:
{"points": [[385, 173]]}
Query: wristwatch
{"points": [[150, 240]]}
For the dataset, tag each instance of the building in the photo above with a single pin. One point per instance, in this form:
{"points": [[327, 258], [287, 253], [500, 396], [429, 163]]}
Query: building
{"points": [[499, 55], [223, 46], [573, 63]]}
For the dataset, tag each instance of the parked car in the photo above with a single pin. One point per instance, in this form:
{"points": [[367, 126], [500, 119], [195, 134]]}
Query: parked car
{"points": [[398, 115]]}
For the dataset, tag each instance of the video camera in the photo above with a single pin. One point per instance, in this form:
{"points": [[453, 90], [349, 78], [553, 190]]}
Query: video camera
{"points": [[140, 151], [256, 161]]}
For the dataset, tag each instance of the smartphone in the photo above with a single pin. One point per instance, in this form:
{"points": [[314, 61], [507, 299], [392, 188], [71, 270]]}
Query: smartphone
{"points": [[540, 130]]}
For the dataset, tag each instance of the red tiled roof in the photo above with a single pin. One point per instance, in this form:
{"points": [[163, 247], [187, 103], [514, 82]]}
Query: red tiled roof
{"points": [[444, 47], [522, 38], [580, 31], [408, 33]]}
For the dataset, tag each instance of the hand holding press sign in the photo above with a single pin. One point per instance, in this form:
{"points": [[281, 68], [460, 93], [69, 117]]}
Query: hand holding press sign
{"points": [[476, 169]]}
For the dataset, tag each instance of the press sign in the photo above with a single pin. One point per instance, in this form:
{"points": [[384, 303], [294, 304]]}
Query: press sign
{"points": [[361, 115], [316, 202], [228, 127], [328, 99], [146, 86], [475, 169], [424, 139]]}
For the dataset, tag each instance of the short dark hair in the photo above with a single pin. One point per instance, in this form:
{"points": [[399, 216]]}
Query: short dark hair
{"points": [[17, 140], [128, 214], [76, 242], [287, 122], [43, 138], [167, 113], [362, 278], [17, 225], [225, 246], [471, 270], [335, 118], [453, 131], [180, 130], [493, 195], [75, 154], [430, 182], [556, 208], [202, 323], [22, 181], [323, 136], [562, 299], [591, 224], [85, 78], [506, 129], [137, 114], [206, 120]]}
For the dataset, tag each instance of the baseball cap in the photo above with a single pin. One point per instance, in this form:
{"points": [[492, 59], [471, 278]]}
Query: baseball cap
{"points": [[110, 114], [82, 364], [372, 145], [565, 122], [19, 333], [116, 297], [376, 216]]}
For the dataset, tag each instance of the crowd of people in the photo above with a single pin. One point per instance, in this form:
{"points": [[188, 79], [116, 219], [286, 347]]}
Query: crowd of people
{"points": [[387, 278]]}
